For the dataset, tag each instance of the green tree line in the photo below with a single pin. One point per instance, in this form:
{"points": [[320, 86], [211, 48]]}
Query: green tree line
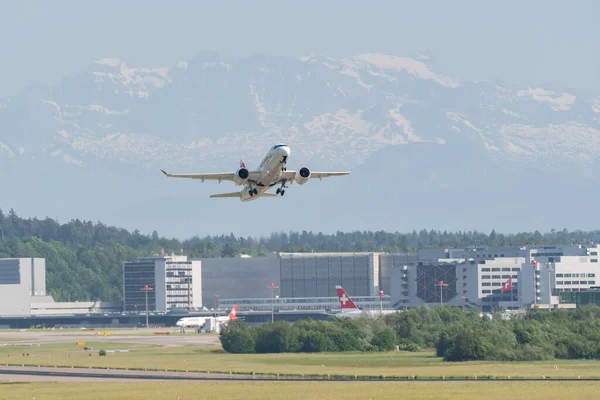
{"points": [[456, 335], [307, 336], [84, 259]]}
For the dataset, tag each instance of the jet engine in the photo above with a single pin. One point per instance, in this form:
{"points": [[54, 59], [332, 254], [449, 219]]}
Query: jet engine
{"points": [[241, 176], [302, 176]]}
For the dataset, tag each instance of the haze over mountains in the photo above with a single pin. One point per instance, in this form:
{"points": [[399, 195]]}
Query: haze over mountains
{"points": [[429, 151]]}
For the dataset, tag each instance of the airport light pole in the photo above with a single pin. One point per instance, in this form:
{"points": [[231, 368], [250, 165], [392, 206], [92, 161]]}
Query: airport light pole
{"points": [[272, 287], [381, 301], [146, 289], [215, 297], [442, 284]]}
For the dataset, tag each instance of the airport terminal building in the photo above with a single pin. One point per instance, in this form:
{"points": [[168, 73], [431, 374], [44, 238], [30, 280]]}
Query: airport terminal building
{"points": [[473, 277], [172, 282], [483, 277]]}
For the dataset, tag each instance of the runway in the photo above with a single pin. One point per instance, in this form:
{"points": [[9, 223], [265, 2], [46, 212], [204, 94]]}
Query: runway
{"points": [[61, 374], [51, 374]]}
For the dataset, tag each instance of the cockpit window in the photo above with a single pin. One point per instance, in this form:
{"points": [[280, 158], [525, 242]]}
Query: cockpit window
{"points": [[280, 145]]}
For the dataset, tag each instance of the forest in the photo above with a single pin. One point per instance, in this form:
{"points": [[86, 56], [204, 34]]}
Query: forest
{"points": [[84, 259], [455, 335]]}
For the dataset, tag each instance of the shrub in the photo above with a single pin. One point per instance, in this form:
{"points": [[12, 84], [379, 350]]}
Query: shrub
{"points": [[237, 337], [384, 340]]}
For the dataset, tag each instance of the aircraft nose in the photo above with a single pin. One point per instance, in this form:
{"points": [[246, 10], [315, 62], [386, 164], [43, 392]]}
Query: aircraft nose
{"points": [[285, 151]]}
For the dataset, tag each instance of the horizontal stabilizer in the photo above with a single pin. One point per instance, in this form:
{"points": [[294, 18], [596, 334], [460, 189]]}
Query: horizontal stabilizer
{"points": [[234, 194]]}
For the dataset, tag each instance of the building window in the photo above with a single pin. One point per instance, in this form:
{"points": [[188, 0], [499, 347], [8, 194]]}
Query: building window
{"points": [[486, 277], [594, 260], [496, 277], [486, 284], [485, 270], [505, 276], [496, 284], [516, 269], [505, 269], [559, 275], [495, 269], [486, 291], [591, 275]]}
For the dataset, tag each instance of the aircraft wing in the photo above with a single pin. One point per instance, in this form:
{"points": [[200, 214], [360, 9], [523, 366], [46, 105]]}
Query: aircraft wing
{"points": [[289, 175], [218, 176]]}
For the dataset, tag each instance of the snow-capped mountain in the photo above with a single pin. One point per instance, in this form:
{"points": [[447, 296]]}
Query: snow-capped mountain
{"points": [[214, 106], [113, 124]]}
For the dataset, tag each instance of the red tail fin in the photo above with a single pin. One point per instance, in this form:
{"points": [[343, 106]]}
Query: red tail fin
{"points": [[242, 164], [233, 312], [345, 300]]}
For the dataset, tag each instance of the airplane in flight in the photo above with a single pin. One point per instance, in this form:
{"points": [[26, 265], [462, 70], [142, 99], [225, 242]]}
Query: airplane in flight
{"points": [[198, 322], [351, 310], [272, 171]]}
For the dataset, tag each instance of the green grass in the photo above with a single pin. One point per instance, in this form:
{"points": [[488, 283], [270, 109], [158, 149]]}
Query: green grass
{"points": [[300, 390], [211, 358]]}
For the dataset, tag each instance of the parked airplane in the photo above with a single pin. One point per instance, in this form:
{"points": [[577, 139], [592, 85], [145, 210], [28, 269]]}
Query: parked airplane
{"points": [[351, 310], [198, 322], [271, 171]]}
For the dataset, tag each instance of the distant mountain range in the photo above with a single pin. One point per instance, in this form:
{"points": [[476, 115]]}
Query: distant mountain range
{"points": [[429, 151]]}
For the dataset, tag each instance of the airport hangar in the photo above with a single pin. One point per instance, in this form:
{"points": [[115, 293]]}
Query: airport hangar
{"points": [[305, 283]]}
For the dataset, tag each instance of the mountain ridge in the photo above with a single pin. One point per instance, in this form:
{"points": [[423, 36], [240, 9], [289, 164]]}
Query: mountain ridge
{"points": [[98, 139]]}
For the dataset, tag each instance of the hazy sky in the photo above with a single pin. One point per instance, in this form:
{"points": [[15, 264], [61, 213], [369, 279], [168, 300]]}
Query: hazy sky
{"points": [[534, 42]]}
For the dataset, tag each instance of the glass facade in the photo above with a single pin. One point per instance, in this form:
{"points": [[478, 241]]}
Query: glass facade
{"points": [[428, 282], [317, 276], [136, 275], [591, 297]]}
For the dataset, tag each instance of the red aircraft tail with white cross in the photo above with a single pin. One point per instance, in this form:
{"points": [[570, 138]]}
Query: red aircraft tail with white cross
{"points": [[345, 300], [232, 313]]}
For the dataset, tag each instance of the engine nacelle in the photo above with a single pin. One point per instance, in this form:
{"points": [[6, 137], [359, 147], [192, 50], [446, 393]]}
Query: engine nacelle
{"points": [[241, 176], [302, 176]]}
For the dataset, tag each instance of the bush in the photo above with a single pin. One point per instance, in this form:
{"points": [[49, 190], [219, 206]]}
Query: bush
{"points": [[237, 337], [384, 340], [316, 342], [102, 352], [278, 337], [467, 345], [455, 335]]}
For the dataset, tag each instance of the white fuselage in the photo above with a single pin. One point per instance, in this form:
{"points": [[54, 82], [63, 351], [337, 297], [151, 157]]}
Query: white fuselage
{"points": [[197, 322], [270, 170], [356, 313]]}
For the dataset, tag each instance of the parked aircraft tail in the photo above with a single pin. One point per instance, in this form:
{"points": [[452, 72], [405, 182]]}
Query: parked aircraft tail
{"points": [[345, 300], [232, 313]]}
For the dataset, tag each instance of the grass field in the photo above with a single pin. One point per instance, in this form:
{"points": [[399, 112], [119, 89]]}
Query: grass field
{"points": [[301, 390], [207, 358]]}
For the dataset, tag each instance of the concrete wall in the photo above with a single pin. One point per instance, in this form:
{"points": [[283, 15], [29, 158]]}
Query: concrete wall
{"points": [[39, 276], [197, 284], [234, 278]]}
